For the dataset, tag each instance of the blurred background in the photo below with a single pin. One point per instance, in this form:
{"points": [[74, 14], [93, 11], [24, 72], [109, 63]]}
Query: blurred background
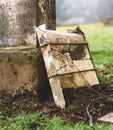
{"points": [[74, 12]]}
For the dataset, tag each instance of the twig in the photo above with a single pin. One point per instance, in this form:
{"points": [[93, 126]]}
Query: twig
{"points": [[88, 106]]}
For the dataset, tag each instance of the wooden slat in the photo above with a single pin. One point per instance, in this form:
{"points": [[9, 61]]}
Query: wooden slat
{"points": [[68, 62]]}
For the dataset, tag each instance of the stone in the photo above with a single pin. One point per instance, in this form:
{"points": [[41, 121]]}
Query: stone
{"points": [[18, 68], [107, 118], [17, 22]]}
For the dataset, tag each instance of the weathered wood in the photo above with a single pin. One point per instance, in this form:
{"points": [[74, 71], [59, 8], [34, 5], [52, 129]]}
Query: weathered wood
{"points": [[67, 60], [57, 92], [61, 37]]}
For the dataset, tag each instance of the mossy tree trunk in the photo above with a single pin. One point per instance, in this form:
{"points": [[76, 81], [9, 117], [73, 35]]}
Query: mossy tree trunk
{"points": [[46, 13]]}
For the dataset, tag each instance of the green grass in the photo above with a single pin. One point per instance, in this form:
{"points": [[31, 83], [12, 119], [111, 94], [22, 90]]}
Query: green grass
{"points": [[101, 46], [38, 121], [24, 122], [100, 39]]}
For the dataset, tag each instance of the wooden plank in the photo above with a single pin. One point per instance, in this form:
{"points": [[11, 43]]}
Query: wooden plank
{"points": [[63, 37], [57, 92], [68, 62], [76, 80]]}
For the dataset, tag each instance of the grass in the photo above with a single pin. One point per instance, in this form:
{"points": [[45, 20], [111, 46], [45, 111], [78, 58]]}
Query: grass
{"points": [[101, 46], [24, 122], [38, 121], [100, 39]]}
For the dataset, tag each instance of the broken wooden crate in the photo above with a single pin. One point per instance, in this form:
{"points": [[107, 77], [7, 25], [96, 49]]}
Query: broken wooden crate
{"points": [[67, 60]]}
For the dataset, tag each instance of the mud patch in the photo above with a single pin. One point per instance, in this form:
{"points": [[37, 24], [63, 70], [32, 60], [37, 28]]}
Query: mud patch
{"points": [[99, 99]]}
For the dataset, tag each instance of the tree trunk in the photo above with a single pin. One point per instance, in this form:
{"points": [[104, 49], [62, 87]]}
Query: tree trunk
{"points": [[46, 13]]}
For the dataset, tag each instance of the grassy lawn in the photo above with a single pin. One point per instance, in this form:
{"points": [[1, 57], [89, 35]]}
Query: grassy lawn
{"points": [[38, 121], [101, 46], [100, 39]]}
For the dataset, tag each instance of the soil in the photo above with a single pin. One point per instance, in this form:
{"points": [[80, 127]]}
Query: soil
{"points": [[80, 103]]}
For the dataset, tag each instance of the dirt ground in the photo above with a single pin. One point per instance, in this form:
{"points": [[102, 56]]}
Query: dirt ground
{"points": [[80, 103]]}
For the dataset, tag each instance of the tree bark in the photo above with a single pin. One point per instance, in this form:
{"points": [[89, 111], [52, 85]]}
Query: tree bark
{"points": [[46, 13]]}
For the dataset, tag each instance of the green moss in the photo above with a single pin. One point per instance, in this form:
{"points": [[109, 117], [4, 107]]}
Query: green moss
{"points": [[27, 55], [1, 59], [33, 77], [15, 72], [11, 62], [32, 56]]}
